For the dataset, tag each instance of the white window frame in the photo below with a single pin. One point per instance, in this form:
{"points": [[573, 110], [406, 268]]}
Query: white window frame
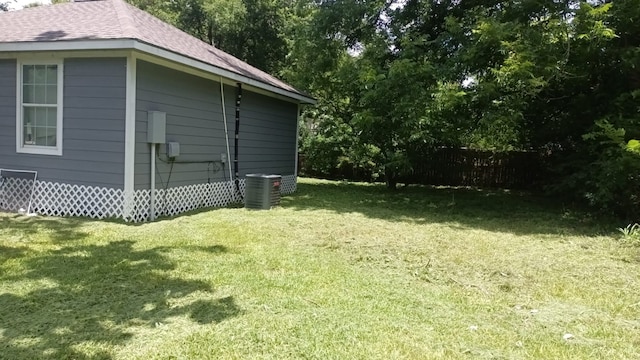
{"points": [[36, 149]]}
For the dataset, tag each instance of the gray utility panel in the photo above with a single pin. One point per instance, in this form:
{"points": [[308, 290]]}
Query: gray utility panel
{"points": [[262, 191]]}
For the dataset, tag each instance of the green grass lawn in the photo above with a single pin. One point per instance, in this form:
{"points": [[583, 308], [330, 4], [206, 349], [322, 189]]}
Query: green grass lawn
{"points": [[339, 271]]}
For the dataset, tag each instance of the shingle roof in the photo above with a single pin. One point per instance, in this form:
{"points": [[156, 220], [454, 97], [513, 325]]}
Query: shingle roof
{"points": [[115, 19]]}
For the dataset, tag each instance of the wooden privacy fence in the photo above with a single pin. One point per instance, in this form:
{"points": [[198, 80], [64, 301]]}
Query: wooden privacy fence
{"points": [[466, 167], [455, 167]]}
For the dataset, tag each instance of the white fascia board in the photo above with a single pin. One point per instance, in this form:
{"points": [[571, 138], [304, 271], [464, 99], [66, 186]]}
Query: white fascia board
{"points": [[150, 49], [64, 54], [207, 75], [67, 45], [114, 44]]}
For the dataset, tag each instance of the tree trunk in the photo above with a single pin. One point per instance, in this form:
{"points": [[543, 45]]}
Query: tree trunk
{"points": [[390, 179], [210, 34]]}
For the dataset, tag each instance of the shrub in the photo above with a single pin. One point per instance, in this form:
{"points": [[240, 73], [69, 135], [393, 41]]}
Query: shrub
{"points": [[631, 234]]}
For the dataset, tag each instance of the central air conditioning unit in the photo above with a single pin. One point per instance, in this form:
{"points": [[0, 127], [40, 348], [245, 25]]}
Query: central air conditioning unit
{"points": [[262, 192]]}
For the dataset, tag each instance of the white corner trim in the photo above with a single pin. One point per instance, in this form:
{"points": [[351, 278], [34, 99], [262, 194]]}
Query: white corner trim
{"points": [[35, 149], [130, 136], [18, 105]]}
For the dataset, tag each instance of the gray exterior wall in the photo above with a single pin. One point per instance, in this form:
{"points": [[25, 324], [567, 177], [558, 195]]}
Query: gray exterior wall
{"points": [[268, 130], [93, 124], [194, 119]]}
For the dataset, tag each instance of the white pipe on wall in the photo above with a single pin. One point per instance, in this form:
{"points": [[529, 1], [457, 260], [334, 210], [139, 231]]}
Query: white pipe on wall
{"points": [[152, 195]]}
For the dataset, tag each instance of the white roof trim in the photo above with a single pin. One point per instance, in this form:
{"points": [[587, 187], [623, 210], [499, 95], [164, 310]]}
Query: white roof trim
{"points": [[169, 55], [107, 44], [62, 45]]}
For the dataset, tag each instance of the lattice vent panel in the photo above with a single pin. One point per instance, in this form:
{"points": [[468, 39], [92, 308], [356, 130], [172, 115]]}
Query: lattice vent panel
{"points": [[15, 193], [181, 199], [288, 185], [58, 199]]}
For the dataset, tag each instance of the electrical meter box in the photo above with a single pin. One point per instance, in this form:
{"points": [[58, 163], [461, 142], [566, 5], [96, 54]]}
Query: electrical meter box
{"points": [[173, 149], [156, 127]]}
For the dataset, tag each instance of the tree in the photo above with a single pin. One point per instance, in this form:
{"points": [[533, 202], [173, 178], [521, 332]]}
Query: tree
{"points": [[485, 74], [251, 30], [389, 80]]}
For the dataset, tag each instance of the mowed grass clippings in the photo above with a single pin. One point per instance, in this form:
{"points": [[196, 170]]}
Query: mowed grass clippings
{"points": [[338, 271]]}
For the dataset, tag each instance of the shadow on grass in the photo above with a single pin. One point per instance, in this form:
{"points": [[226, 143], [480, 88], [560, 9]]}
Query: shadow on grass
{"points": [[19, 227], [7, 253], [493, 210], [97, 295]]}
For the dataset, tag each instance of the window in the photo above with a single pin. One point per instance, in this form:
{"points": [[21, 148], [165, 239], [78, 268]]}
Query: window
{"points": [[39, 113]]}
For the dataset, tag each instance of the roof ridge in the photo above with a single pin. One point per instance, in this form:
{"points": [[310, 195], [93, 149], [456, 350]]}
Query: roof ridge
{"points": [[125, 18]]}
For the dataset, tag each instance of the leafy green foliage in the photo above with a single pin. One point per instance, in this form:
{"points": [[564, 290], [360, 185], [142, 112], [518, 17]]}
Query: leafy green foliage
{"points": [[495, 75], [611, 178], [252, 30], [631, 234], [633, 146]]}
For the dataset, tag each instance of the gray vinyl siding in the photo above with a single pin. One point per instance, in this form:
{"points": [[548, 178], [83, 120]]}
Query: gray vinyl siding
{"points": [[93, 124], [7, 109], [195, 120], [267, 135]]}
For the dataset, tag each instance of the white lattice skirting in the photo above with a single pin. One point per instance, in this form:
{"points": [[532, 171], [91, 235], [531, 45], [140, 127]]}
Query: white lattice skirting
{"points": [[59, 199]]}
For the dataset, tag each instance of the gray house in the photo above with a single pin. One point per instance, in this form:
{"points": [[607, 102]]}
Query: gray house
{"points": [[106, 111]]}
